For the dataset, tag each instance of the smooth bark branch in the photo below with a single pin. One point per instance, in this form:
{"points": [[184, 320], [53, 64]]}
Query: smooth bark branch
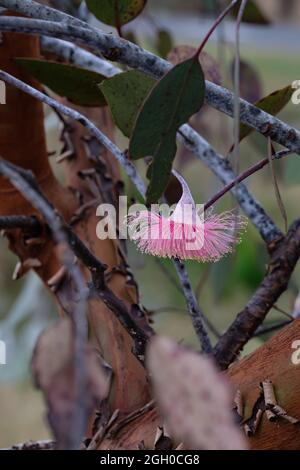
{"points": [[119, 50], [110, 46], [35, 10], [193, 141], [197, 316], [250, 171], [106, 294], [77, 56], [222, 168], [281, 266], [33, 445], [73, 114], [25, 182]]}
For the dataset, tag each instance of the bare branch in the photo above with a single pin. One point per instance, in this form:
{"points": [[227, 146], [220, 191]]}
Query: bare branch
{"points": [[250, 171], [73, 114], [222, 169], [26, 184], [24, 181], [138, 58], [117, 49], [107, 295], [33, 445], [35, 10], [264, 330], [77, 56], [281, 266], [191, 139], [196, 314], [23, 222]]}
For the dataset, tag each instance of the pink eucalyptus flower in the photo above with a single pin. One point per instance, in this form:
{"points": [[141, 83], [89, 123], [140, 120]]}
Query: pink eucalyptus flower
{"points": [[186, 233]]}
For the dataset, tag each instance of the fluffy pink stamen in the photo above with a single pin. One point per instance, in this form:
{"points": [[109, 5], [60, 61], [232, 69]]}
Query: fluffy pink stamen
{"points": [[184, 234], [207, 241]]}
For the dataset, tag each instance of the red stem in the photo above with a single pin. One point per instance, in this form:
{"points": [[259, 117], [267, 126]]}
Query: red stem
{"points": [[118, 22], [216, 23], [253, 169]]}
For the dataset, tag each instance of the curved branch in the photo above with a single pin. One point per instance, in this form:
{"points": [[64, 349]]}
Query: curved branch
{"points": [[193, 141], [280, 269], [25, 182], [190, 138], [250, 171], [120, 50], [23, 222], [107, 295]]}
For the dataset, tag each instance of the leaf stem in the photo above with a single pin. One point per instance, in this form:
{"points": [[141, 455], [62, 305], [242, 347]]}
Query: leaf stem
{"points": [[213, 27], [118, 20], [250, 171]]}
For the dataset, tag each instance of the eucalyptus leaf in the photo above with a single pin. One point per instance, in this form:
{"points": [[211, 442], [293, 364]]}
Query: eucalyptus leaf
{"points": [[116, 12], [172, 101], [271, 104], [78, 85], [125, 94]]}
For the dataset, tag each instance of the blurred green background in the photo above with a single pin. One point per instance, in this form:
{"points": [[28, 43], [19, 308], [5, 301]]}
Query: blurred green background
{"points": [[223, 288]]}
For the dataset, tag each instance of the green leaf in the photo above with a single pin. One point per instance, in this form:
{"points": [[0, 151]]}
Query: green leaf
{"points": [[173, 100], [272, 104], [209, 66], [116, 12], [164, 43], [252, 13], [125, 94], [78, 85]]}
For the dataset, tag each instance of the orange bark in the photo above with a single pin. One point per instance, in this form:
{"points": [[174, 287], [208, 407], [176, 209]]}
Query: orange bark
{"points": [[272, 361], [22, 141]]}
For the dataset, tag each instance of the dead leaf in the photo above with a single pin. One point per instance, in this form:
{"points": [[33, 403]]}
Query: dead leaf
{"points": [[194, 397], [53, 367]]}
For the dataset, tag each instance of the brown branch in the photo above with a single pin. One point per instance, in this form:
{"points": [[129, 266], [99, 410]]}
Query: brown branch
{"points": [[249, 172], [25, 182], [284, 257], [33, 445], [23, 222]]}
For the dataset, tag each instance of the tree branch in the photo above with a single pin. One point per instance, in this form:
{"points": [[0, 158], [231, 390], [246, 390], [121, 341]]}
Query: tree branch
{"points": [[23, 222], [284, 258], [33, 445], [250, 171], [77, 56], [118, 49], [194, 309], [221, 167], [193, 141], [25, 182]]}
